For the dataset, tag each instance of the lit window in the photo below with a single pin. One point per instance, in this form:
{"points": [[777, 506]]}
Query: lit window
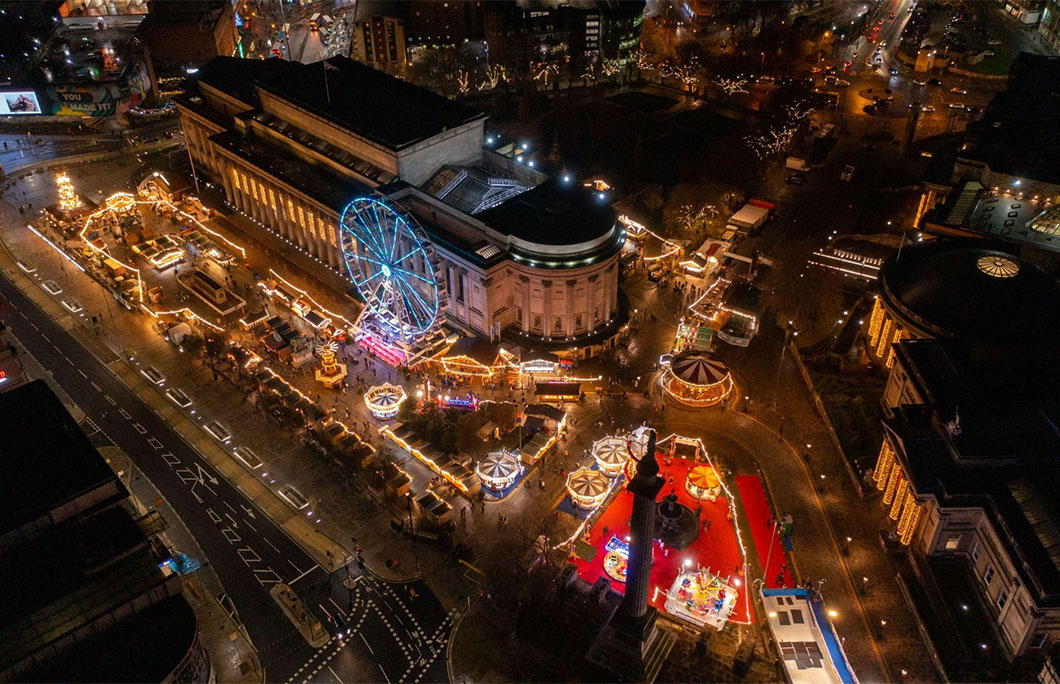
{"points": [[953, 541], [290, 209], [272, 198]]}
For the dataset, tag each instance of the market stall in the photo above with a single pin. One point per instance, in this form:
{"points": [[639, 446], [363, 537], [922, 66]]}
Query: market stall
{"points": [[702, 598], [587, 488], [616, 558], [498, 470], [703, 483], [698, 379], [383, 400], [611, 454]]}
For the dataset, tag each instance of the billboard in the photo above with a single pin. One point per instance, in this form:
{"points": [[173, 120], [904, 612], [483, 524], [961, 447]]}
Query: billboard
{"points": [[76, 100], [19, 102]]}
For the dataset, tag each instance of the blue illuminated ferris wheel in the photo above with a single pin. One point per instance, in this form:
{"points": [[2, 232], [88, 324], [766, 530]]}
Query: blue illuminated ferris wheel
{"points": [[392, 264]]}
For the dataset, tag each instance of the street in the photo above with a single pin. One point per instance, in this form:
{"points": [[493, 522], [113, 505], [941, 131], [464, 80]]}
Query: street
{"points": [[245, 548]]}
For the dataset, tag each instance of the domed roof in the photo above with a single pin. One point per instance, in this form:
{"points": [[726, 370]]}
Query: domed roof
{"points": [[984, 298], [698, 368]]}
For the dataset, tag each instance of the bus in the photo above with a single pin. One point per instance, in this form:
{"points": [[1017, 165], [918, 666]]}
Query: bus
{"points": [[314, 22]]}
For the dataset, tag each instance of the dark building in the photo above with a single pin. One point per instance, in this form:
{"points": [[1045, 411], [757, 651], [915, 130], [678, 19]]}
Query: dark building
{"points": [[431, 22], [85, 595], [189, 32]]}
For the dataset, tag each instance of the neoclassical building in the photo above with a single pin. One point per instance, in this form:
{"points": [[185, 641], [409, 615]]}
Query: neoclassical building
{"points": [[523, 257], [970, 461]]}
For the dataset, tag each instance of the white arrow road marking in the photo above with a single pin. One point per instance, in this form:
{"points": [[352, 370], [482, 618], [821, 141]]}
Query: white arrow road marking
{"points": [[249, 512], [204, 475], [213, 516]]}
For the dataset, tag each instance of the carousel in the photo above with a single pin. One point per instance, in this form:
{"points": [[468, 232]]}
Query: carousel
{"points": [[703, 483], [702, 598], [498, 470], [330, 372], [616, 558], [611, 454], [383, 400], [587, 488], [698, 379]]}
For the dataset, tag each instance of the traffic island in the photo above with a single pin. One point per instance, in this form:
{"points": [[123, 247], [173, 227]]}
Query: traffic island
{"points": [[303, 620]]}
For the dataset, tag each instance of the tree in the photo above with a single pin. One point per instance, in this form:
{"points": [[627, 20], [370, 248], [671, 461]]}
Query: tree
{"points": [[192, 345]]}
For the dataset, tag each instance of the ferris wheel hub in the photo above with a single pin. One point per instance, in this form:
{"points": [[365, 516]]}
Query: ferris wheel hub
{"points": [[386, 271]]}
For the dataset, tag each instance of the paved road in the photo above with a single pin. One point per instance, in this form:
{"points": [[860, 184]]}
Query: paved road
{"points": [[13, 157], [247, 551]]}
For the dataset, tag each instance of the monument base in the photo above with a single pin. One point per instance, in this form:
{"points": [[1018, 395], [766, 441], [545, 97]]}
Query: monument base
{"points": [[634, 649]]}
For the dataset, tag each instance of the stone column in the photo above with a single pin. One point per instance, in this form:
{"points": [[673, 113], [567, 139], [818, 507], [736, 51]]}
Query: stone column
{"points": [[645, 486]]}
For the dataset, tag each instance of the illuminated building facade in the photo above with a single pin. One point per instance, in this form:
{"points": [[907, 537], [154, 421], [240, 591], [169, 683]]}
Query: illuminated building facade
{"points": [[967, 470], [523, 257]]}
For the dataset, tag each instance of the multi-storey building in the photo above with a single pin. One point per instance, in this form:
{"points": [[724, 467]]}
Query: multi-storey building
{"points": [[531, 259], [968, 467], [379, 42]]}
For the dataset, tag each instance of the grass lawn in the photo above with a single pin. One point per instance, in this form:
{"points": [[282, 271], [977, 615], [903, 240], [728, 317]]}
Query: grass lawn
{"points": [[853, 405]]}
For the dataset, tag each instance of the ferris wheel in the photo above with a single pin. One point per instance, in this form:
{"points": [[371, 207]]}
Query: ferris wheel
{"points": [[391, 262]]}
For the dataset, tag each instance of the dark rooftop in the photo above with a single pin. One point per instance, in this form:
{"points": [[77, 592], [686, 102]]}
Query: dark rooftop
{"points": [[474, 348], [43, 445], [987, 299], [331, 190], [375, 105], [1019, 134], [553, 214]]}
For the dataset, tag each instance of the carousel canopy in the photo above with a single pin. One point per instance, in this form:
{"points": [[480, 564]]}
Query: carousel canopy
{"points": [[588, 483], [385, 396], [497, 465], [611, 450], [704, 477], [698, 368]]}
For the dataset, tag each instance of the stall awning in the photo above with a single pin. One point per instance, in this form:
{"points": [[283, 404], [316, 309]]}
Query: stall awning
{"points": [[558, 389]]}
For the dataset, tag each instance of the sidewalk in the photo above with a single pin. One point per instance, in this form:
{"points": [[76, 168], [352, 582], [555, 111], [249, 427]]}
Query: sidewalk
{"points": [[816, 490]]}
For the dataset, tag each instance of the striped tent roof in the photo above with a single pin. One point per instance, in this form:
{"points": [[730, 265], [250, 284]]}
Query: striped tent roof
{"points": [[698, 368]]}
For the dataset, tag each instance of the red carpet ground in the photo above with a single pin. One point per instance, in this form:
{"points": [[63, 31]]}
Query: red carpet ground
{"points": [[717, 547], [760, 520]]}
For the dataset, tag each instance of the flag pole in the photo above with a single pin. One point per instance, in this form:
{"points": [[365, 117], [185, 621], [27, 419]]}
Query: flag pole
{"points": [[327, 91]]}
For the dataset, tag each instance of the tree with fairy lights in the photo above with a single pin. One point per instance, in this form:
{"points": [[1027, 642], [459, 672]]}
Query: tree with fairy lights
{"points": [[68, 199]]}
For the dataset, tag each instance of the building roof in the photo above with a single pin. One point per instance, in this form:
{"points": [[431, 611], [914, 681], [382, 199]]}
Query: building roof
{"points": [[476, 349], [1019, 133], [368, 102], [986, 298], [553, 214], [986, 437], [43, 445]]}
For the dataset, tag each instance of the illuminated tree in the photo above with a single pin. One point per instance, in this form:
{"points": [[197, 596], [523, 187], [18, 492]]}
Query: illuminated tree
{"points": [[463, 81], [731, 86], [68, 199]]}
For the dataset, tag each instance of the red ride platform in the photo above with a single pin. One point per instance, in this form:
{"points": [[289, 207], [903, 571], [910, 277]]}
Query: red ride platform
{"points": [[716, 548]]}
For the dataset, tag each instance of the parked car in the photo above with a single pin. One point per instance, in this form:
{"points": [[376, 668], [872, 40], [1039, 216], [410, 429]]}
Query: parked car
{"points": [[959, 90], [927, 109]]}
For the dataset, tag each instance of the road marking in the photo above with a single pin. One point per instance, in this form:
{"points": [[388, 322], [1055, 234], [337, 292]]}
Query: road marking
{"points": [[82, 374], [213, 516], [360, 634], [34, 325], [124, 414], [250, 526], [231, 535], [315, 566], [156, 444], [107, 397], [274, 579], [170, 459], [47, 338], [233, 520], [230, 507], [140, 428], [96, 387], [272, 545], [247, 551], [334, 675], [384, 672], [335, 604]]}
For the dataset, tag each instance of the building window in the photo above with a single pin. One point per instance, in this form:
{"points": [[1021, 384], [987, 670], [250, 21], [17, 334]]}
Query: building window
{"points": [[596, 314], [1002, 596], [519, 315], [460, 287], [988, 574], [975, 550], [1039, 640], [537, 322], [953, 541], [579, 321], [557, 324]]}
